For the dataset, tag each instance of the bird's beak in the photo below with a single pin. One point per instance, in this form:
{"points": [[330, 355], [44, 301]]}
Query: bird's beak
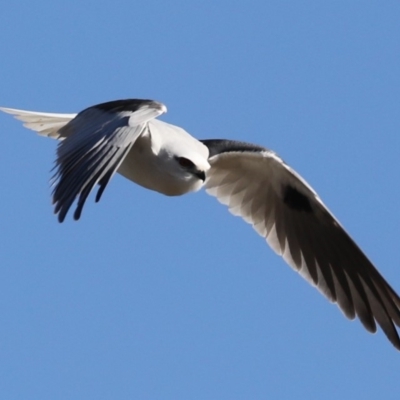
{"points": [[201, 175]]}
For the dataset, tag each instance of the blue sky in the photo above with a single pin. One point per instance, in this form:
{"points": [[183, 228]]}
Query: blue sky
{"points": [[149, 297]]}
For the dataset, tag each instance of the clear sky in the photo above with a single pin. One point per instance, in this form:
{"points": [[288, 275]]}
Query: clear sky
{"points": [[149, 297]]}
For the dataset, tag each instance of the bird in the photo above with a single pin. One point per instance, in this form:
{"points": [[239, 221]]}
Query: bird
{"points": [[126, 136]]}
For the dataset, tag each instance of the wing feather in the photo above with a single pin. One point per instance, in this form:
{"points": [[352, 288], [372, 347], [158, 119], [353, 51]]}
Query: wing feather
{"points": [[96, 142], [258, 186]]}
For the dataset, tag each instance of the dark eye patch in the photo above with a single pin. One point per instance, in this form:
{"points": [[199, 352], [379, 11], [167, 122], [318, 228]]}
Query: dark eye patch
{"points": [[184, 162]]}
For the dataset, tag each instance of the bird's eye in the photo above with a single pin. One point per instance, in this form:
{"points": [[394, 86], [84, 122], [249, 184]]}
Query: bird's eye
{"points": [[185, 163]]}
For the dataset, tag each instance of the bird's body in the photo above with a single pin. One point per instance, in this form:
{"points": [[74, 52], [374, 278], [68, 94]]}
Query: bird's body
{"points": [[125, 136], [145, 157]]}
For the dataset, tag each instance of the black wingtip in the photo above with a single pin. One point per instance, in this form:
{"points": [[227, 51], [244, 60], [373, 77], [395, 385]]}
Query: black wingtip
{"points": [[78, 212], [60, 217]]}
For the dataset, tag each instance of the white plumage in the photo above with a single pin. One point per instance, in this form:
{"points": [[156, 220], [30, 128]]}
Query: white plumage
{"points": [[45, 124]]}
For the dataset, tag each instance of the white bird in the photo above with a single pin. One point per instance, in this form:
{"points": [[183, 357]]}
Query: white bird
{"points": [[124, 136]]}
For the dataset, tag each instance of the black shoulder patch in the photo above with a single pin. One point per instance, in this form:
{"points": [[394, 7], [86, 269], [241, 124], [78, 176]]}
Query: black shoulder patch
{"points": [[296, 200], [125, 105], [218, 146]]}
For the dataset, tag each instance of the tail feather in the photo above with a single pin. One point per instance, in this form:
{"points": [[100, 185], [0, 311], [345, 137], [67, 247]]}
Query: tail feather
{"points": [[45, 124]]}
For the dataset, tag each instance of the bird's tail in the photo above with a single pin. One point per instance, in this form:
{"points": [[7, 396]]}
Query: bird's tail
{"points": [[45, 124]]}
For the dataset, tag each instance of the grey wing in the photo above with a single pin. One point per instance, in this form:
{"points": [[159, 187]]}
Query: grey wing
{"points": [[96, 143], [258, 186]]}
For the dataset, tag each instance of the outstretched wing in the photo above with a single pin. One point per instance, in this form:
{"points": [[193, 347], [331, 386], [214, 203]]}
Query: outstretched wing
{"points": [[259, 187], [45, 124], [97, 141]]}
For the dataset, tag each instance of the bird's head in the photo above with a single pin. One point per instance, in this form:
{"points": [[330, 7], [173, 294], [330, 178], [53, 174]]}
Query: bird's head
{"points": [[185, 170], [181, 159]]}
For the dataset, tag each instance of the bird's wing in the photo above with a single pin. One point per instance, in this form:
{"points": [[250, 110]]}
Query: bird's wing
{"points": [[97, 141], [259, 187], [46, 124]]}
